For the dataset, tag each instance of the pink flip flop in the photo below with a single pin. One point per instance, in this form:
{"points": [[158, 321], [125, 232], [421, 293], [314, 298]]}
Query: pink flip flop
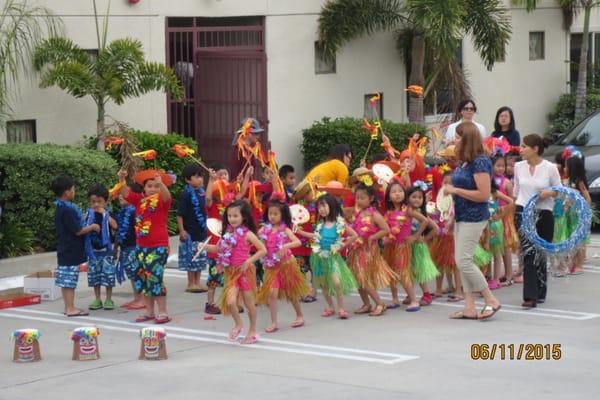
{"points": [[327, 313], [145, 318], [297, 324], [234, 334], [250, 339], [271, 329]]}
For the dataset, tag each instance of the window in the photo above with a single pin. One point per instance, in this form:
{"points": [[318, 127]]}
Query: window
{"points": [[322, 66], [21, 131], [93, 53], [371, 112], [536, 46]]}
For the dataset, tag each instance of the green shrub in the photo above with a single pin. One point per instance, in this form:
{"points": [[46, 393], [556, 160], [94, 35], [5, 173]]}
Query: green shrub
{"points": [[26, 171], [15, 240], [166, 160], [563, 117], [322, 135]]}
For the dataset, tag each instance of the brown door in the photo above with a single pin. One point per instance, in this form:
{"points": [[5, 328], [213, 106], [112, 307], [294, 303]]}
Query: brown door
{"points": [[230, 86]]}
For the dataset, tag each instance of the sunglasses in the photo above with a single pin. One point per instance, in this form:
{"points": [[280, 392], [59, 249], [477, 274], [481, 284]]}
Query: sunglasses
{"points": [[468, 109]]}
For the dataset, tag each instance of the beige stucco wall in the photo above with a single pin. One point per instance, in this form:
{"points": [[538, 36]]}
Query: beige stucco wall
{"points": [[530, 88]]}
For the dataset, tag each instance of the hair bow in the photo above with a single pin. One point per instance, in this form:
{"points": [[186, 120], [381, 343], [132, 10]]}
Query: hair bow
{"points": [[571, 151], [421, 185]]}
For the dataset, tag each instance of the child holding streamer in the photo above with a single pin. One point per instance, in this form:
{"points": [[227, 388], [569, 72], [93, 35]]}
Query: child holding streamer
{"points": [[364, 258], [329, 269], [397, 251], [238, 237], [283, 279]]}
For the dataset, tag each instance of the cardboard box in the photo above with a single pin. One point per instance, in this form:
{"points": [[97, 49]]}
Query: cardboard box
{"points": [[42, 283], [19, 300]]}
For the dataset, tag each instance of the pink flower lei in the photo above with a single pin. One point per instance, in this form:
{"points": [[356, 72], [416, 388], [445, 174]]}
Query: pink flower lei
{"points": [[269, 234], [228, 242]]}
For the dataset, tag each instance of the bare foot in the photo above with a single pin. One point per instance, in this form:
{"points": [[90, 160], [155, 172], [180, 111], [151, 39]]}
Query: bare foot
{"points": [[272, 328]]}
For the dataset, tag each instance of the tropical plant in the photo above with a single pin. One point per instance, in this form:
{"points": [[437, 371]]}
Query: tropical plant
{"points": [[22, 28], [570, 8], [428, 33], [119, 71]]}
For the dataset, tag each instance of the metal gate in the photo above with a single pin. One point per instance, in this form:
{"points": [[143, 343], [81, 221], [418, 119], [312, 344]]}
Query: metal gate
{"points": [[223, 70], [230, 87]]}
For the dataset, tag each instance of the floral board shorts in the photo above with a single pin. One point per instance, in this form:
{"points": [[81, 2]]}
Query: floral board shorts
{"points": [[151, 267]]}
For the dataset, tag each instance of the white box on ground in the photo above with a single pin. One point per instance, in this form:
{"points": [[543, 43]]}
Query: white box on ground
{"points": [[42, 283]]}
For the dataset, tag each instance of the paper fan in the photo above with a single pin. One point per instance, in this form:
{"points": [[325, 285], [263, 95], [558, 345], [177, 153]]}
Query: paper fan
{"points": [[214, 226], [300, 214], [383, 172]]}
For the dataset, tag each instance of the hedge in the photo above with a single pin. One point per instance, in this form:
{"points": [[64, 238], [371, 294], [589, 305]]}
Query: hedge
{"points": [[562, 118], [26, 172], [322, 135], [166, 160]]}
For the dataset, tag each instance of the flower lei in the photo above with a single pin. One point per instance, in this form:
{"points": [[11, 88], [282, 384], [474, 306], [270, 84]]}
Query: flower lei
{"points": [[228, 242], [124, 219], [142, 220], [340, 228], [72, 206], [272, 259], [198, 208]]}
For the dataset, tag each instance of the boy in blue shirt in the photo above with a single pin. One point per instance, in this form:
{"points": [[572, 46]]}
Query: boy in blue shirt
{"points": [[98, 247], [70, 249], [191, 221]]}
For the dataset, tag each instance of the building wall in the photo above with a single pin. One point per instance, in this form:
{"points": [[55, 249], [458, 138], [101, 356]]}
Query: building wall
{"points": [[296, 95], [530, 88]]}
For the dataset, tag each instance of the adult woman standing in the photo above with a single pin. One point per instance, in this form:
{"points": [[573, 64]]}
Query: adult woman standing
{"points": [[534, 175], [504, 125], [466, 111], [471, 186], [334, 169]]}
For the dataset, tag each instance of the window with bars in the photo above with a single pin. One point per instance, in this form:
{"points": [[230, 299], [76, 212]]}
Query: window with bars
{"points": [[371, 112], [536, 46], [21, 131], [322, 66]]}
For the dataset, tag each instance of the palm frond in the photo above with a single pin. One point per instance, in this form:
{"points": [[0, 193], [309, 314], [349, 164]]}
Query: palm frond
{"points": [[344, 20], [439, 21], [73, 77], [22, 27], [56, 50], [530, 5], [488, 23], [155, 76]]}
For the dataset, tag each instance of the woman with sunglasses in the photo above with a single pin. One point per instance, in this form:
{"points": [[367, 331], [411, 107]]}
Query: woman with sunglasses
{"points": [[465, 112]]}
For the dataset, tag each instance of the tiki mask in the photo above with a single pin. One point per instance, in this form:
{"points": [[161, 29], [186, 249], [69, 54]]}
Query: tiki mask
{"points": [[85, 344], [27, 347], [152, 346]]}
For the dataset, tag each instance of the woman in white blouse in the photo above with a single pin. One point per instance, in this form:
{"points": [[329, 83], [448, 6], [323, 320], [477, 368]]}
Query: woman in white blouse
{"points": [[466, 111], [535, 175]]}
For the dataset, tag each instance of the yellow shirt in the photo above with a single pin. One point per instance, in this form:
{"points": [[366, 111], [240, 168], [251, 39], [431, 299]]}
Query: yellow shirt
{"points": [[332, 170]]}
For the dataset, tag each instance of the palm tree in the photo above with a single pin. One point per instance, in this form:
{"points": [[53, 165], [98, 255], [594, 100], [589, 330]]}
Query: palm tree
{"points": [[118, 72], [432, 29], [570, 9], [22, 27]]}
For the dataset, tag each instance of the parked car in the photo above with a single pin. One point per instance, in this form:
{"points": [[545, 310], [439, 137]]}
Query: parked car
{"points": [[586, 137]]}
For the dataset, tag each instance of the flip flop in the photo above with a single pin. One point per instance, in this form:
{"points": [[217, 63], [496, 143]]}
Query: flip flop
{"points": [[461, 315], [343, 314], [136, 307], [145, 318], [455, 299], [162, 320], [234, 334], [271, 329], [80, 313], [393, 305], [413, 309], [250, 339], [297, 324], [327, 313], [489, 308]]}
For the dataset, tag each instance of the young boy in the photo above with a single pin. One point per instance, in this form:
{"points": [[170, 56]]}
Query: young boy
{"points": [[98, 246], [191, 221], [127, 249], [70, 249], [288, 177]]}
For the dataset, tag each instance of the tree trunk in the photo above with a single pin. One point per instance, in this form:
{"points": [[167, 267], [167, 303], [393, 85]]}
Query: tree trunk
{"points": [[415, 103], [100, 124], [581, 93]]}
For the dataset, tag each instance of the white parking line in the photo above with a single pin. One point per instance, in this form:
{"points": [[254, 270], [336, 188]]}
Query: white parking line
{"points": [[511, 309], [214, 337]]}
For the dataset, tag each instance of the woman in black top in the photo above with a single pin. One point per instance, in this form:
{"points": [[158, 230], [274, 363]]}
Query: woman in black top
{"points": [[504, 125]]}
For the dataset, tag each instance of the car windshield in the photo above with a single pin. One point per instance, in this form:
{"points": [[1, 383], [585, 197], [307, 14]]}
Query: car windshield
{"points": [[586, 133]]}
